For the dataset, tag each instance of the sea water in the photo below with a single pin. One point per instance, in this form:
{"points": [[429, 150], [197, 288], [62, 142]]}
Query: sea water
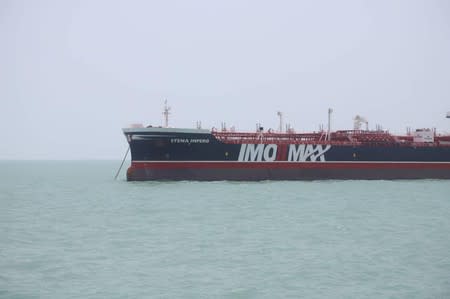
{"points": [[69, 230]]}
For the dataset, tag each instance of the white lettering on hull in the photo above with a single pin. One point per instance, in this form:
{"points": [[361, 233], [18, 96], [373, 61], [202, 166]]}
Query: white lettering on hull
{"points": [[242, 152], [258, 152], [307, 152], [296, 153], [185, 140]]}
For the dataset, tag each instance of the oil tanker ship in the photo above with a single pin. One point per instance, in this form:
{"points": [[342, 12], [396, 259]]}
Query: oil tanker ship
{"points": [[163, 153]]}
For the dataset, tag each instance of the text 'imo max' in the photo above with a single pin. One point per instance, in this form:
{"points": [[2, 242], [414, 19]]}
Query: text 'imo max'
{"points": [[296, 153]]}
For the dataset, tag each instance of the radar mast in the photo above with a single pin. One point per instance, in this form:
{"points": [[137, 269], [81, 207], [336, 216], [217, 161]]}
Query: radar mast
{"points": [[166, 114]]}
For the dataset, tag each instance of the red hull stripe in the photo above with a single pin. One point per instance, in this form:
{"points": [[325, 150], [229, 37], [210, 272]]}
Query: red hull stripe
{"points": [[288, 165]]}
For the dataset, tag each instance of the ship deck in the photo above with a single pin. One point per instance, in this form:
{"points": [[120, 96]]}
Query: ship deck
{"points": [[348, 137]]}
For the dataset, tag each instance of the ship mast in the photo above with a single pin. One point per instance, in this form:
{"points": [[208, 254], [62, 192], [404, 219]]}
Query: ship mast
{"points": [[329, 124], [166, 114], [280, 115]]}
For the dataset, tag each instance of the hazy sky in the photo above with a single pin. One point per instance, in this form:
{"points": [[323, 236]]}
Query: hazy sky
{"points": [[73, 73]]}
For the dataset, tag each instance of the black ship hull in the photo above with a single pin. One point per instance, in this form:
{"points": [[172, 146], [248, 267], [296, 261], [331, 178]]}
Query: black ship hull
{"points": [[175, 154]]}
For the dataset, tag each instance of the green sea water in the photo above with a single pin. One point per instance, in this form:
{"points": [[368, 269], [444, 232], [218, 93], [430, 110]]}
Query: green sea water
{"points": [[69, 230]]}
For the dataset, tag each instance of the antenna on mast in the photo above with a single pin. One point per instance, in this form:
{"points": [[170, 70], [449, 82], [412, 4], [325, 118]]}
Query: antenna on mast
{"points": [[166, 114], [280, 115]]}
